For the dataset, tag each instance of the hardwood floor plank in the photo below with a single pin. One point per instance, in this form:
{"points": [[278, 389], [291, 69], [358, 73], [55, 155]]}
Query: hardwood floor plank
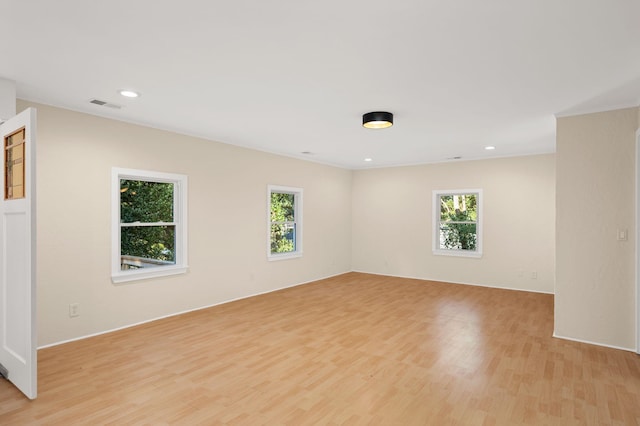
{"points": [[351, 350]]}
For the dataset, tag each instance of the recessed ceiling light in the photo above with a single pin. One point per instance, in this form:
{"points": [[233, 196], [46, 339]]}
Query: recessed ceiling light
{"points": [[368, 159], [129, 93], [489, 148]]}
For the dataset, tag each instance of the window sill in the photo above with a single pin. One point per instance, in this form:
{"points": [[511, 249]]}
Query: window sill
{"points": [[458, 253], [284, 256], [122, 277]]}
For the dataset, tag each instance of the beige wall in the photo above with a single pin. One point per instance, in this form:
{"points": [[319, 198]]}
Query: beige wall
{"points": [[227, 222], [380, 221], [595, 276], [392, 226]]}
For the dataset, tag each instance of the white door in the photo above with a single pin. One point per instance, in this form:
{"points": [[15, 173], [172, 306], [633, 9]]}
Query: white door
{"points": [[18, 354]]}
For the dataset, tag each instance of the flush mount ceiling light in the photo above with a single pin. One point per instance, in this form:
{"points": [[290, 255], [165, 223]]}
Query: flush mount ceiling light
{"points": [[377, 120], [129, 93]]}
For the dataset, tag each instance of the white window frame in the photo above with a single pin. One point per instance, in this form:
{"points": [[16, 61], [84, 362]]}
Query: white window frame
{"points": [[477, 253], [297, 192], [179, 217]]}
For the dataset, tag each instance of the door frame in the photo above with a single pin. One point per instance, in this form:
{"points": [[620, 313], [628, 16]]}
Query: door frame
{"points": [[637, 224]]}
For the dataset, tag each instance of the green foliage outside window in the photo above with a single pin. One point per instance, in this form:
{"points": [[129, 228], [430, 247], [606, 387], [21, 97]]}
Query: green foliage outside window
{"points": [[143, 202], [283, 229], [458, 222]]}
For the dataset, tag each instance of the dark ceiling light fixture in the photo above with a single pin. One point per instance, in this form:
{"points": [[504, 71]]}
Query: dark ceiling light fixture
{"points": [[377, 120]]}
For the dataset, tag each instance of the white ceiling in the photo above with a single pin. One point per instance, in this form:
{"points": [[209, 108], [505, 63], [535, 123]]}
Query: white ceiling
{"points": [[288, 76]]}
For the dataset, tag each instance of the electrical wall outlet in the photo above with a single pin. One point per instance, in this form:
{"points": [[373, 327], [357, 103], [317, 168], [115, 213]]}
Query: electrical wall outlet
{"points": [[74, 310], [534, 275]]}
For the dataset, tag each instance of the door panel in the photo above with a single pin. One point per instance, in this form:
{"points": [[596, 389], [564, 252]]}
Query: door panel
{"points": [[15, 292], [18, 340]]}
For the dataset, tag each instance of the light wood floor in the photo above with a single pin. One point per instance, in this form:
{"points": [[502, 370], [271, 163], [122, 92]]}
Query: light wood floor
{"points": [[355, 349]]}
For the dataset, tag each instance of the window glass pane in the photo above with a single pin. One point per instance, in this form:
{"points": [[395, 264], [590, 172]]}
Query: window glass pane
{"points": [[283, 237], [146, 202], [282, 207], [147, 246], [471, 206], [458, 208], [14, 165], [446, 207], [458, 236]]}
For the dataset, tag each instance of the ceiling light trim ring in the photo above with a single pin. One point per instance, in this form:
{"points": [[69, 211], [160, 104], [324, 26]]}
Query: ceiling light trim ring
{"points": [[377, 120]]}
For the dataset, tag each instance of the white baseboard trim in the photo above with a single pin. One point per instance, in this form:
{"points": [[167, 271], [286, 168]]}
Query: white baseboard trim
{"points": [[185, 312], [589, 342], [455, 282]]}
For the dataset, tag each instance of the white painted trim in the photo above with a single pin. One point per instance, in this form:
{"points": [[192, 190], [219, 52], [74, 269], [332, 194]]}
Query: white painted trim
{"points": [[435, 215], [298, 193], [282, 256], [637, 257], [454, 282], [457, 253], [180, 210], [589, 342], [188, 310], [148, 273]]}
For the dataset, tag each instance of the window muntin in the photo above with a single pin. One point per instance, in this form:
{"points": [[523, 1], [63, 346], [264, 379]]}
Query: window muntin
{"points": [[457, 226], [149, 236], [285, 222]]}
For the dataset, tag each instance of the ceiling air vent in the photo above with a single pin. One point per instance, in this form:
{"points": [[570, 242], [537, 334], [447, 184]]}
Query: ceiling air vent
{"points": [[104, 103]]}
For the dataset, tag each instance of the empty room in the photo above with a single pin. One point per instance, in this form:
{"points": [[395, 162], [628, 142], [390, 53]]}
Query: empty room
{"points": [[265, 213]]}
